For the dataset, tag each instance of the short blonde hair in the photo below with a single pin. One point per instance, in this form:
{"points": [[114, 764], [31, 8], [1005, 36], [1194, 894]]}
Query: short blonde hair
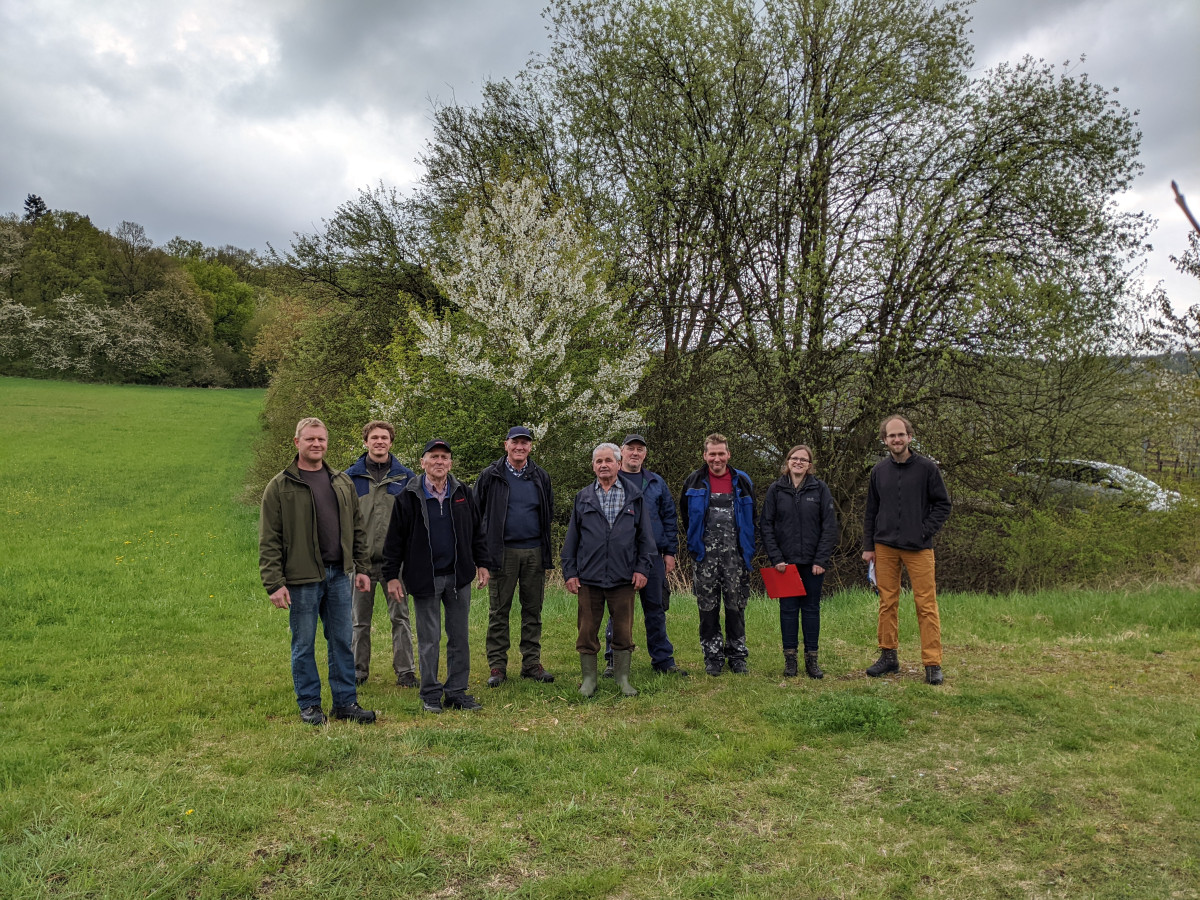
{"points": [[311, 422], [716, 438]]}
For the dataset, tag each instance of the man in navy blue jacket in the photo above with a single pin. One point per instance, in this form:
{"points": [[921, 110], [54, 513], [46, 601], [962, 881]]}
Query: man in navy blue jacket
{"points": [[716, 510], [655, 596], [516, 500], [607, 555], [378, 478]]}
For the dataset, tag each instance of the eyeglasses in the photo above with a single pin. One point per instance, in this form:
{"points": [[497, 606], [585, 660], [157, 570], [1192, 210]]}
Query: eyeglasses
{"points": [[799, 459]]}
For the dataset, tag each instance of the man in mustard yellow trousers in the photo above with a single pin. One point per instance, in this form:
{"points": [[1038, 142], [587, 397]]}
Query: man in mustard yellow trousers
{"points": [[907, 504]]}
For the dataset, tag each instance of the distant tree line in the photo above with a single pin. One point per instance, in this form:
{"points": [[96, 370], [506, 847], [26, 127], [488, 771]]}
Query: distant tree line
{"points": [[79, 302]]}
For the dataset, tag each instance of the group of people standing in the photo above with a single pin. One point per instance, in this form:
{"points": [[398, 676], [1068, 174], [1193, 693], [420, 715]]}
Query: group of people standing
{"points": [[431, 536]]}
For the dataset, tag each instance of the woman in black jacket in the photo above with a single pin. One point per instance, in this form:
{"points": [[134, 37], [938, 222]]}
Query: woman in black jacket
{"points": [[799, 526]]}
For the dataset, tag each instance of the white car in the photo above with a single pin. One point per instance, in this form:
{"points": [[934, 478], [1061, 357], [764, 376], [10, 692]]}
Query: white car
{"points": [[1081, 482]]}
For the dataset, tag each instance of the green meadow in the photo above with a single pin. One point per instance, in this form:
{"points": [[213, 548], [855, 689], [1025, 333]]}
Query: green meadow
{"points": [[150, 746]]}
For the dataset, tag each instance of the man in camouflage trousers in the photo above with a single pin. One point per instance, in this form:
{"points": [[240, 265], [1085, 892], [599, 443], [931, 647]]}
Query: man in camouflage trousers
{"points": [[716, 512]]}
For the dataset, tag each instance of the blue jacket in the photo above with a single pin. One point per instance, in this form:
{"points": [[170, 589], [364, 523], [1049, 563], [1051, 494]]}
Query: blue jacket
{"points": [[375, 499], [603, 556], [661, 506], [693, 508]]}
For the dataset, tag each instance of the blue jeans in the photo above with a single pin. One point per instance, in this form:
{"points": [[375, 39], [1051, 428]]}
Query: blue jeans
{"points": [[662, 654], [803, 611], [329, 600]]}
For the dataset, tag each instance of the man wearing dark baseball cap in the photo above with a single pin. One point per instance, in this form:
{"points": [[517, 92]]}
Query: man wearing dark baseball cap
{"points": [[516, 501], [436, 537]]}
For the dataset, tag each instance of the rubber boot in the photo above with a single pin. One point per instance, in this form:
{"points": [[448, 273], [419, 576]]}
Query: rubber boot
{"points": [[887, 662], [810, 665], [621, 660], [587, 664], [790, 670]]}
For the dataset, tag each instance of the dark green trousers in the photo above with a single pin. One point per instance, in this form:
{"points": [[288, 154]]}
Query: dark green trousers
{"points": [[523, 568]]}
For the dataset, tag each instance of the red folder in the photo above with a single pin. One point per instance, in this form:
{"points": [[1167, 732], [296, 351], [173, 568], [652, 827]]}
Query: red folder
{"points": [[783, 584]]}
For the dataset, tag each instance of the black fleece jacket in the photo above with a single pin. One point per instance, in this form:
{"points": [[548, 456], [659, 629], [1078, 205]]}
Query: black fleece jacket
{"points": [[407, 543], [907, 504]]}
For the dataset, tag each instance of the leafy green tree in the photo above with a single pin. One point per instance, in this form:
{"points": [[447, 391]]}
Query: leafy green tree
{"points": [[35, 208], [534, 337], [137, 265], [820, 210], [230, 302], [65, 254]]}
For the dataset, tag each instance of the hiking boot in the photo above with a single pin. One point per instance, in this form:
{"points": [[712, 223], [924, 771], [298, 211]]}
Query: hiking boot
{"points": [[354, 713], [933, 675], [887, 662], [607, 673], [360, 680], [790, 669], [312, 715], [810, 665], [538, 674], [714, 667], [672, 669], [497, 678], [739, 666], [408, 679], [432, 706], [461, 701], [587, 666], [621, 659]]}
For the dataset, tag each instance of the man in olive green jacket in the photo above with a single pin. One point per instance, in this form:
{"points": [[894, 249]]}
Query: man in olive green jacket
{"points": [[309, 535]]}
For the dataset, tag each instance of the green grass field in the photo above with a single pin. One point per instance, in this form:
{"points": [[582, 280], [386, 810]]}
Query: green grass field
{"points": [[150, 747]]}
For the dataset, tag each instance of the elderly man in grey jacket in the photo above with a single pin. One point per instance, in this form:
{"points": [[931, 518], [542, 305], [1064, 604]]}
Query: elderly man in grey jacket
{"points": [[607, 555]]}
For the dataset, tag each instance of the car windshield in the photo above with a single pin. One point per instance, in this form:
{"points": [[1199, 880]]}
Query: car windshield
{"points": [[1133, 481]]}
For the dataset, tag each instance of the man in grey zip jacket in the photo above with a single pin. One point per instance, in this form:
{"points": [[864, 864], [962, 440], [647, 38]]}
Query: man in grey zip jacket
{"points": [[378, 478]]}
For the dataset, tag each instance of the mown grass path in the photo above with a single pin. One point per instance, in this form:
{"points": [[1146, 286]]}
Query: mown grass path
{"points": [[149, 743]]}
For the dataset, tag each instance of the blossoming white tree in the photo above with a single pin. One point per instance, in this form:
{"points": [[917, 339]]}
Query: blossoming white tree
{"points": [[534, 336]]}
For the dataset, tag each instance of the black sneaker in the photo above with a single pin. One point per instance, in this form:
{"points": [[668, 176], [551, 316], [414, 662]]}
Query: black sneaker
{"points": [[312, 715], [714, 667], [538, 674], [497, 678], [672, 669], [461, 701], [432, 706], [608, 672], [406, 680], [738, 666], [354, 713]]}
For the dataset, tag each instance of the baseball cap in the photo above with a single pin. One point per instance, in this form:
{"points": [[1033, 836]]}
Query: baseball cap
{"points": [[519, 431], [435, 443]]}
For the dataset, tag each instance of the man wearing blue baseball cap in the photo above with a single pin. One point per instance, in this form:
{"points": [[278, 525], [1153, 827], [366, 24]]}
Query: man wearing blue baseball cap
{"points": [[516, 501]]}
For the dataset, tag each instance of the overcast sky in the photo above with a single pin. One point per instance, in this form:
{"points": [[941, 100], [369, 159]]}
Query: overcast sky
{"points": [[244, 122]]}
